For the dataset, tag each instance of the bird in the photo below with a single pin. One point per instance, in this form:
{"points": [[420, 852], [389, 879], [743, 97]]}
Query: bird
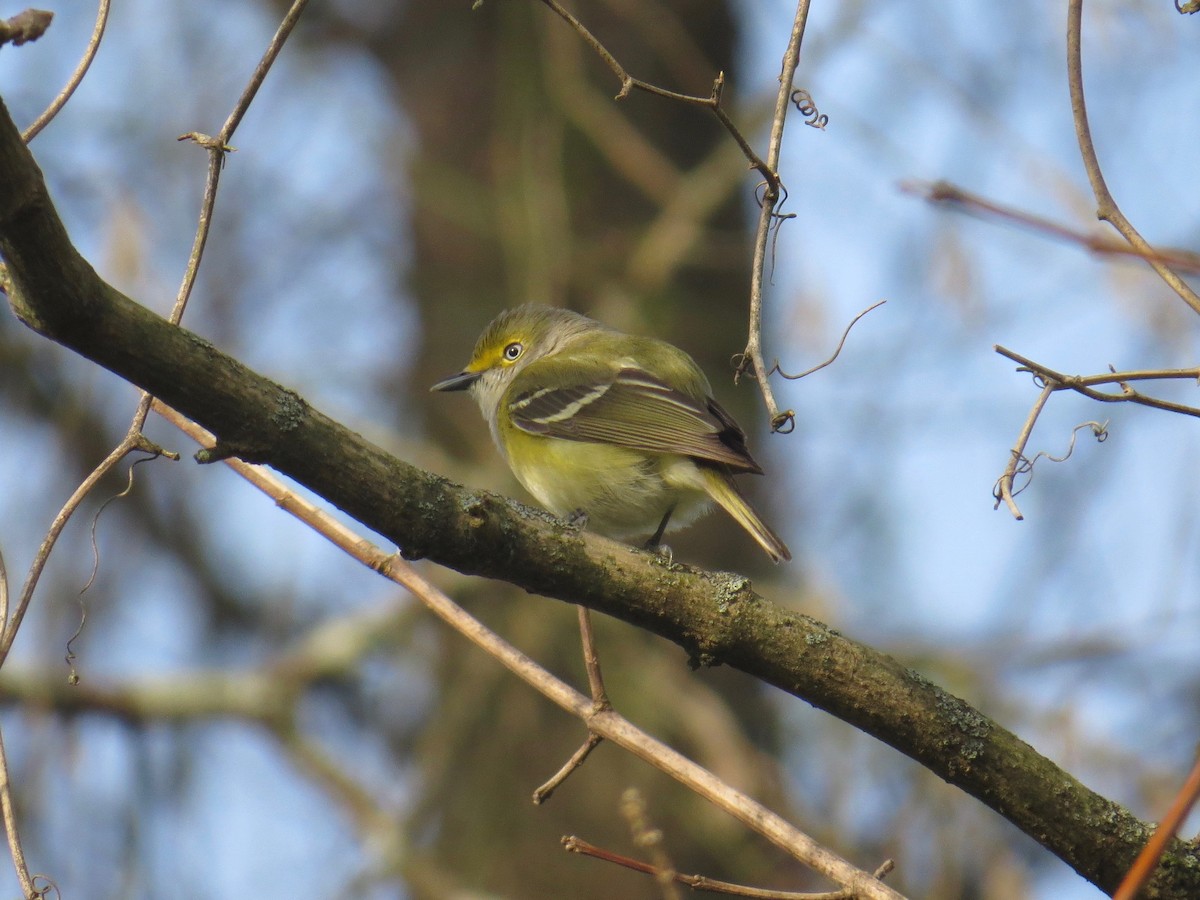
{"points": [[614, 430]]}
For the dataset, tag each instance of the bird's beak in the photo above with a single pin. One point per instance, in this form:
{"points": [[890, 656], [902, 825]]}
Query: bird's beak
{"points": [[459, 382]]}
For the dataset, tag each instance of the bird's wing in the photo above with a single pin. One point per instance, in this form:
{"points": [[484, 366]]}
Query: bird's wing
{"points": [[629, 407]]}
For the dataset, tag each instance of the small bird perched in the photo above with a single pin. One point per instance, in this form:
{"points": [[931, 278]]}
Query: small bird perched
{"points": [[617, 427]]}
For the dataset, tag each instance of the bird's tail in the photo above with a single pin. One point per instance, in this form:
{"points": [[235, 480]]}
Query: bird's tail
{"points": [[721, 488]]}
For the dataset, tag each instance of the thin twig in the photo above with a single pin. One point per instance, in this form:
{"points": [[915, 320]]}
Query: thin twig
{"points": [[1052, 381], [6, 803], [591, 660], [1083, 384], [3, 590], [1147, 861], [1107, 209], [220, 145], [946, 193], [1023, 465], [628, 83], [752, 356], [85, 62], [10, 827], [1017, 454], [573, 844], [73, 676], [836, 353], [630, 153], [608, 724], [600, 702], [543, 792], [132, 441]]}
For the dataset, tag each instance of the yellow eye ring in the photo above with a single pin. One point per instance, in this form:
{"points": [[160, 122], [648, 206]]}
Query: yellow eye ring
{"points": [[513, 351]]}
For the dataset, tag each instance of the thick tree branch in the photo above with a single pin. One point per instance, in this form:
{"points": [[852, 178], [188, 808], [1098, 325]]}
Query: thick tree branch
{"points": [[716, 617]]}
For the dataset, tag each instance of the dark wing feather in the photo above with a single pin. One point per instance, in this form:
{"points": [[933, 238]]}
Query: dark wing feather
{"points": [[633, 408]]}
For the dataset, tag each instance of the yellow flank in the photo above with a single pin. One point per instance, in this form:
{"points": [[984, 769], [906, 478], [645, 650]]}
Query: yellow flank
{"points": [[621, 490]]}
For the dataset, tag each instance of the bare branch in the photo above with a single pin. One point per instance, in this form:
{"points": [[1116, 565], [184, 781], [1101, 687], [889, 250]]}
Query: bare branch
{"points": [[600, 702], [1017, 454], [946, 193], [85, 62], [1107, 209], [1020, 464], [10, 828], [1052, 381], [545, 791], [1083, 384], [133, 439], [3, 589], [752, 356], [220, 145], [6, 804], [591, 660], [628, 83], [573, 844]]}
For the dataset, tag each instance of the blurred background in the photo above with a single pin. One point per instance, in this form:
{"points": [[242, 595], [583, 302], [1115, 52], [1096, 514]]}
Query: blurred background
{"points": [[408, 170]]}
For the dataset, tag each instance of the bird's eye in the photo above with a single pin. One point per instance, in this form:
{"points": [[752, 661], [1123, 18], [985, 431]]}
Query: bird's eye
{"points": [[513, 351]]}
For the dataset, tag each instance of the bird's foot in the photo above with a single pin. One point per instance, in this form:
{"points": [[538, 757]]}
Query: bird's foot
{"points": [[665, 554]]}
